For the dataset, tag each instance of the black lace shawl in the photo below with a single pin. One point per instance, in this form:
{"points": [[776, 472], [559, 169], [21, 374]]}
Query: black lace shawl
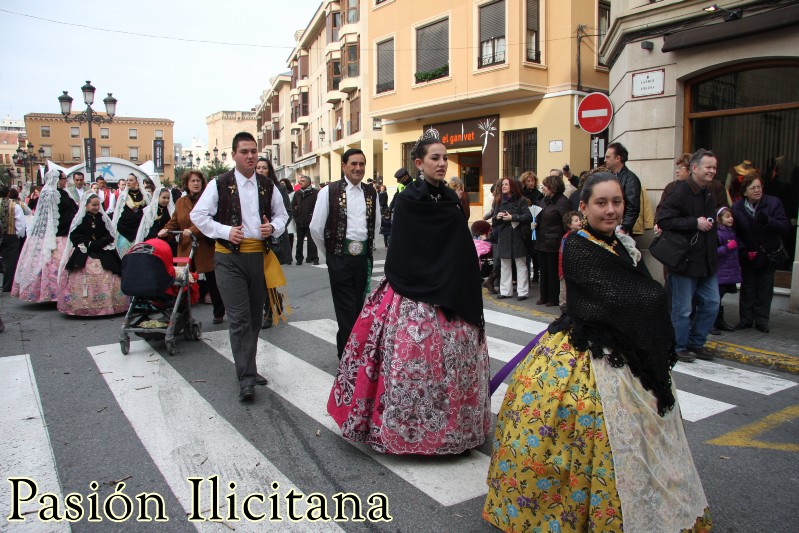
{"points": [[615, 305]]}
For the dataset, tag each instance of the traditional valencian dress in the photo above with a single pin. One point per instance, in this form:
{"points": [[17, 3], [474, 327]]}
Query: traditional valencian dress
{"points": [[155, 217], [590, 436], [128, 215], [89, 278], [413, 378], [36, 278]]}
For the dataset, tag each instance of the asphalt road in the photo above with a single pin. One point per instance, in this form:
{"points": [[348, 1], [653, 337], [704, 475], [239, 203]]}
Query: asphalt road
{"points": [[75, 411]]}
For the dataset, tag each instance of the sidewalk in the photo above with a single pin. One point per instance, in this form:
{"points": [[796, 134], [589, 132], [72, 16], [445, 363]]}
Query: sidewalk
{"points": [[777, 350]]}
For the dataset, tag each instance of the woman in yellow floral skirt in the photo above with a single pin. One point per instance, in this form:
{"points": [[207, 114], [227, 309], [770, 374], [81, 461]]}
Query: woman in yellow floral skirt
{"points": [[590, 436]]}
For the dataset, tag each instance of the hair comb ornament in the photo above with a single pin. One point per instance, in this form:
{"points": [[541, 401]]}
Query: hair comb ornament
{"points": [[430, 134]]}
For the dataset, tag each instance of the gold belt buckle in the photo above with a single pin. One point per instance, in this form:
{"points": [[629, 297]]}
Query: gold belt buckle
{"points": [[355, 248]]}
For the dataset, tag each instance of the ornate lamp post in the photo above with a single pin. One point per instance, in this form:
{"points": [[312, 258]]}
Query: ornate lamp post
{"points": [[216, 158], [27, 159], [88, 116]]}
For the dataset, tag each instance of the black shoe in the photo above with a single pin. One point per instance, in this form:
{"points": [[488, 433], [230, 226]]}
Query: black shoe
{"points": [[246, 394], [685, 356], [315, 262], [260, 380], [2, 326], [218, 319], [762, 327], [502, 296], [267, 322], [299, 262], [714, 331], [702, 354], [723, 326], [743, 325], [521, 298]]}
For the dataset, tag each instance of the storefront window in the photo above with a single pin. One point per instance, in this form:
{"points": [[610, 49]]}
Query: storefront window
{"points": [[520, 152], [751, 113]]}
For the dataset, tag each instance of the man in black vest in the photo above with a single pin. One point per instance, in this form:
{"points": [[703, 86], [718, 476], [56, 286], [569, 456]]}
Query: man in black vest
{"points": [[303, 205], [343, 228], [241, 210]]}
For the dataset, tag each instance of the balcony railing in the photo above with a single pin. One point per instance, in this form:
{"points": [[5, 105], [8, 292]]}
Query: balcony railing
{"points": [[492, 59], [384, 87]]}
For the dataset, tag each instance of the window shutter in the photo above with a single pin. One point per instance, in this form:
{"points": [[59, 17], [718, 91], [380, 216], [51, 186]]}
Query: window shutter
{"points": [[532, 14], [385, 62], [432, 46], [492, 21]]}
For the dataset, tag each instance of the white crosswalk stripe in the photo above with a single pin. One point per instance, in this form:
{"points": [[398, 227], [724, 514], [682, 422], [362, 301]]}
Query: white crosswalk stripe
{"points": [[448, 480], [183, 434], [25, 449]]}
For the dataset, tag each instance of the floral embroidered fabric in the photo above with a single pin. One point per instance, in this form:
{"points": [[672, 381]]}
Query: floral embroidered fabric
{"points": [[410, 381]]}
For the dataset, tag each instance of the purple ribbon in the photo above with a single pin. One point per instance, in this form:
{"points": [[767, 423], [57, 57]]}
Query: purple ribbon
{"points": [[500, 376]]}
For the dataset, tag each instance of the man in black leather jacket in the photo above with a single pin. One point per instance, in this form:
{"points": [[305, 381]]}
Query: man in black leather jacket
{"points": [[616, 161]]}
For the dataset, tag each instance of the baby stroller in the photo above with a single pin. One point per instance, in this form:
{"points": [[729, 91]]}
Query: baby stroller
{"points": [[160, 305], [481, 233]]}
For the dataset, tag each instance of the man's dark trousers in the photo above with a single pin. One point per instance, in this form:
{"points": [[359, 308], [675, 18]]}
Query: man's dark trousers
{"points": [[304, 233], [347, 283]]}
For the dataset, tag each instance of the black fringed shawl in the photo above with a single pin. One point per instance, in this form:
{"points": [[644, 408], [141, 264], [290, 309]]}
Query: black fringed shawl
{"points": [[613, 304], [432, 257]]}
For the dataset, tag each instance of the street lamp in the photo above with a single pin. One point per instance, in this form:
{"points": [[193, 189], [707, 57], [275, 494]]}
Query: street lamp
{"points": [[275, 160], [191, 161], [88, 116], [216, 158], [27, 159], [321, 136]]}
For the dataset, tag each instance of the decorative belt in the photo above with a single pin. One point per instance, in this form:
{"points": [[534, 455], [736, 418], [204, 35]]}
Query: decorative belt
{"points": [[354, 247]]}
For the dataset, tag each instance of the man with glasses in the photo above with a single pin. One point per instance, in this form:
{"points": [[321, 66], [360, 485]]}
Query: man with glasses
{"points": [[689, 210]]}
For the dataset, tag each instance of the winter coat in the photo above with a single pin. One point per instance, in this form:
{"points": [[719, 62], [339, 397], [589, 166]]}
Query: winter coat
{"points": [[679, 212], [729, 269], [762, 235], [302, 205], [631, 188], [204, 254], [511, 242], [549, 223]]}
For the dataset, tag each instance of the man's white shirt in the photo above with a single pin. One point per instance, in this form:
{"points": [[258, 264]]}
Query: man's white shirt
{"points": [[356, 215]]}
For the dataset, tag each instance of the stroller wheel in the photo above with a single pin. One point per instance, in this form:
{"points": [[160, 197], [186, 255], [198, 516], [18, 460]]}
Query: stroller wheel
{"points": [[170, 347], [124, 345], [197, 330]]}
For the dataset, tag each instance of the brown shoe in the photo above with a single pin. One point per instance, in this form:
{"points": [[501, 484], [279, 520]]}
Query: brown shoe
{"points": [[685, 356]]}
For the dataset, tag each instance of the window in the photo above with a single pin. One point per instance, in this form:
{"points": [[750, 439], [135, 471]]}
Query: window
{"points": [[333, 25], [351, 56], [432, 51], [333, 74], [134, 153], [352, 11], [159, 134], [74, 132], [75, 152], [105, 151], [104, 133], [304, 105], [520, 149], [48, 151], [533, 35], [133, 133], [276, 131], [45, 131], [603, 18], [407, 157], [338, 109], [355, 113], [385, 66], [492, 33]]}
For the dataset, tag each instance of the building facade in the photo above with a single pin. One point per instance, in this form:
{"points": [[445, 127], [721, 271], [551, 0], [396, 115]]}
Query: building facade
{"points": [[685, 75], [224, 125], [128, 138], [272, 122], [498, 79]]}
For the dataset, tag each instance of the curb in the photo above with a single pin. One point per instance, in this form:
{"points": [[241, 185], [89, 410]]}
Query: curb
{"points": [[724, 350]]}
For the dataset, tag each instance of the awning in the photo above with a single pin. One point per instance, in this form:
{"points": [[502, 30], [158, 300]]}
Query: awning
{"points": [[307, 162]]}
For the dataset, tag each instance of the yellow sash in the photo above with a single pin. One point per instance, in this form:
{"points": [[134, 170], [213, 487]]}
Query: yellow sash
{"points": [[273, 277]]}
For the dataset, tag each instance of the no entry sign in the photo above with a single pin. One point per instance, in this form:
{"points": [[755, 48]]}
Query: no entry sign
{"points": [[594, 113]]}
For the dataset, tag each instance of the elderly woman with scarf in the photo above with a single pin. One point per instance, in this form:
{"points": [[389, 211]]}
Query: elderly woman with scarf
{"points": [[413, 378], [128, 213], [90, 269], [36, 279], [193, 182], [156, 216], [589, 436]]}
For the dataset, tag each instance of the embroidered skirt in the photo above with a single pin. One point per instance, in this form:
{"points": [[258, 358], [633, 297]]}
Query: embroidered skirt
{"points": [[91, 291], [44, 286], [579, 446], [410, 381], [123, 245]]}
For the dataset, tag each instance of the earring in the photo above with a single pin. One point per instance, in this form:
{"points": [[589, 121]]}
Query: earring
{"points": [[584, 220]]}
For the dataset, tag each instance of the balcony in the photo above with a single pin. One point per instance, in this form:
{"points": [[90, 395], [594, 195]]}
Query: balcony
{"points": [[303, 83], [303, 120], [333, 97], [294, 93], [348, 33]]}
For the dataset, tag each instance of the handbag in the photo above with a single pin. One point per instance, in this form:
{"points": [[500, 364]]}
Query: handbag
{"points": [[672, 248], [777, 256]]}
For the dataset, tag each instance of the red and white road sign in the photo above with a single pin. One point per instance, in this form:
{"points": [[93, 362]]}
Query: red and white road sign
{"points": [[594, 113]]}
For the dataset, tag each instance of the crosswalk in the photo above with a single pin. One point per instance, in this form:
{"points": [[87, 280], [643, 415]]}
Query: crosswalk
{"points": [[187, 437]]}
